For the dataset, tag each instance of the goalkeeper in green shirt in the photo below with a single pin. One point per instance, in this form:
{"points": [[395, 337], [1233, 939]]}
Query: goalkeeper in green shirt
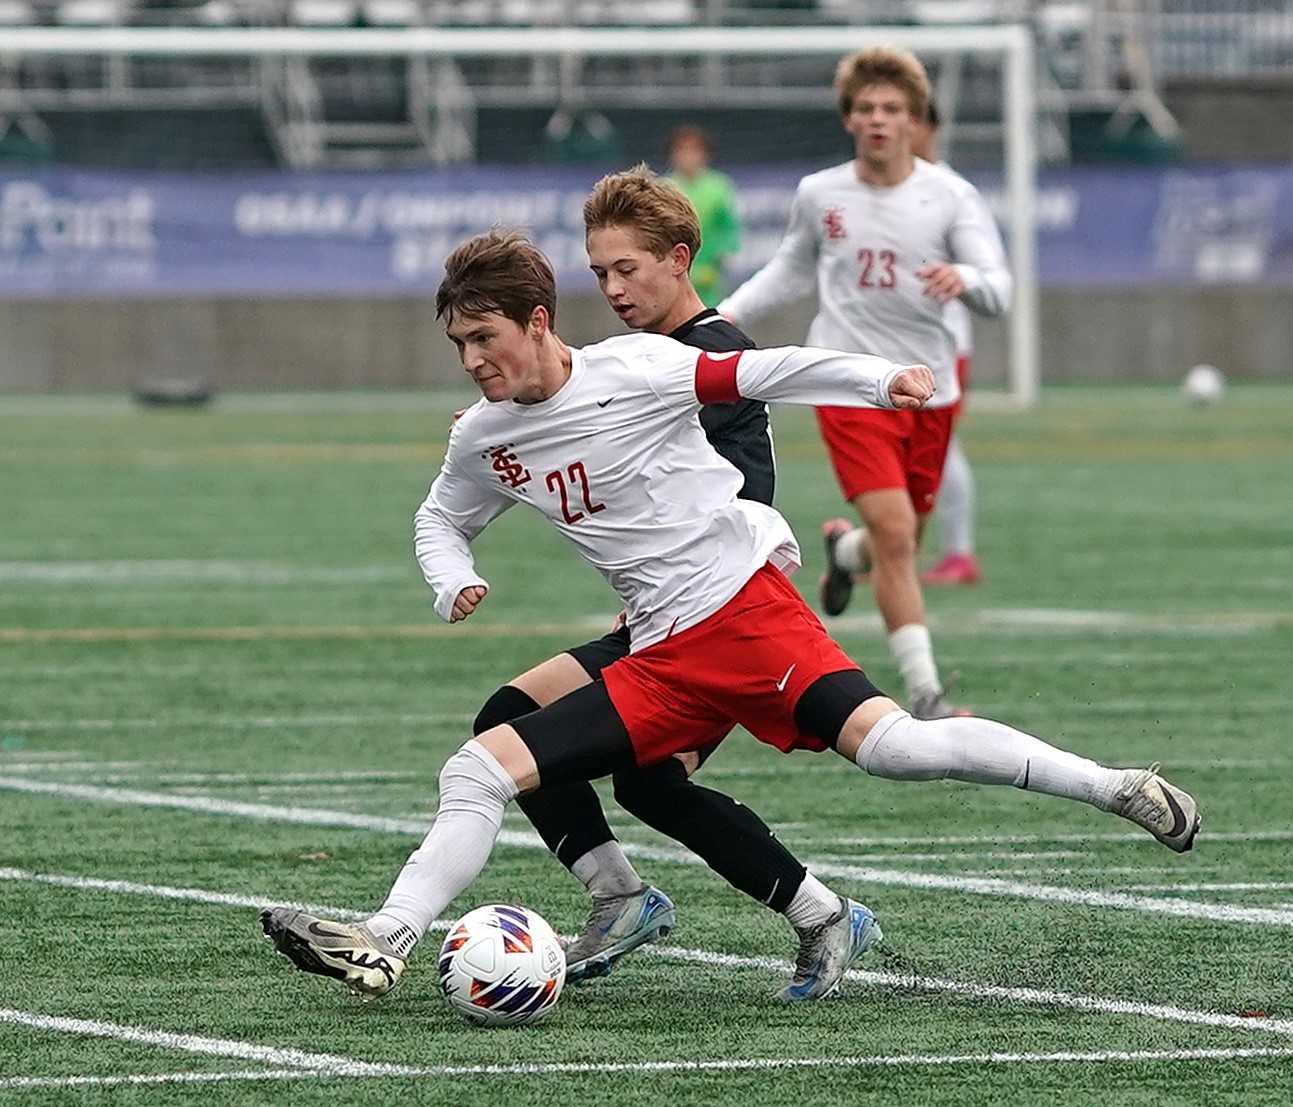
{"points": [[712, 195]]}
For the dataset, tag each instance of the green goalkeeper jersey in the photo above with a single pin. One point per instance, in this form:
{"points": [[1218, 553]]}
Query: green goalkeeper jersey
{"points": [[712, 195]]}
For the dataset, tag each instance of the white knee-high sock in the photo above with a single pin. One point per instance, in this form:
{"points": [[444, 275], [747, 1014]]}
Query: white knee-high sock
{"points": [[474, 790], [914, 652], [851, 552], [982, 752], [605, 871], [955, 509]]}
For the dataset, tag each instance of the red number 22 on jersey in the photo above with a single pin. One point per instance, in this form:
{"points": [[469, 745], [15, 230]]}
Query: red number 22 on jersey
{"points": [[577, 474]]}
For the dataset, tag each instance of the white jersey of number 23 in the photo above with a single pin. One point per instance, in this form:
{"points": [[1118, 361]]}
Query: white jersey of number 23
{"points": [[861, 246], [618, 462]]}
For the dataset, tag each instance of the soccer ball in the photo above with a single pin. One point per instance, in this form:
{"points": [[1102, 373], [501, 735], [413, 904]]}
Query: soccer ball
{"points": [[502, 966], [1204, 384]]}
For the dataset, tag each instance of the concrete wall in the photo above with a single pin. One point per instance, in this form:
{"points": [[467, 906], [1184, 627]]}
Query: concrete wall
{"points": [[301, 344]]}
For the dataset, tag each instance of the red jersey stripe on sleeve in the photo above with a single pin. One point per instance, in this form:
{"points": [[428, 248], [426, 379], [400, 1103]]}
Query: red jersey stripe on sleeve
{"points": [[716, 378]]}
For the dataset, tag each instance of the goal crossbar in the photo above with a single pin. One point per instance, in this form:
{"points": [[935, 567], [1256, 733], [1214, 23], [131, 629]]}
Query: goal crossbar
{"points": [[1013, 43]]}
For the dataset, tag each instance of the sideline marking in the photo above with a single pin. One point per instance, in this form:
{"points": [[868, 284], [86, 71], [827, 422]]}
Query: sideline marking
{"points": [[988, 886], [193, 1043], [576, 1068], [1032, 996], [1009, 619]]}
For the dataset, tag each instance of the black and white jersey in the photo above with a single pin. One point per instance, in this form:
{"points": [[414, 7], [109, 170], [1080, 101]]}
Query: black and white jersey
{"points": [[738, 431]]}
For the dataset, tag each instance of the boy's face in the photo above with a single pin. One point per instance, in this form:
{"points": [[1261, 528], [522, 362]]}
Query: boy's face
{"points": [[640, 287], [499, 355], [880, 122], [689, 156]]}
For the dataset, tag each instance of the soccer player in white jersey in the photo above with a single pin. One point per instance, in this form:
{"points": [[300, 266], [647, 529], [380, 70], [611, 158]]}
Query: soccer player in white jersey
{"points": [[954, 510], [605, 444], [887, 240], [642, 236]]}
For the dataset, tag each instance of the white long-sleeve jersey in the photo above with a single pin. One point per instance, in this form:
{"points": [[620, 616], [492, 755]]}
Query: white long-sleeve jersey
{"points": [[861, 246], [618, 462]]}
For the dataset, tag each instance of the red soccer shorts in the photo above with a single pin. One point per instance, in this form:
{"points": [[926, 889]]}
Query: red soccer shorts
{"points": [[963, 372], [747, 663], [873, 449]]}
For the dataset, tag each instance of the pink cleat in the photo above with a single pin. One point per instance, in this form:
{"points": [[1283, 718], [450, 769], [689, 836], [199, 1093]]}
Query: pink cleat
{"points": [[954, 569]]}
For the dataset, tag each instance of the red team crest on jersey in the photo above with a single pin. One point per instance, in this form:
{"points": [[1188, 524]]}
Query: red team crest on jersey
{"points": [[508, 467], [833, 222]]}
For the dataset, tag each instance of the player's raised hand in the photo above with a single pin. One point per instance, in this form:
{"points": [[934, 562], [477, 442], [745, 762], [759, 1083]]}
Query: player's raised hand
{"points": [[467, 602], [942, 281], [912, 387]]}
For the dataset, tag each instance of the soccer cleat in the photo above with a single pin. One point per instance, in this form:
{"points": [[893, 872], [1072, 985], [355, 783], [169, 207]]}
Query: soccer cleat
{"points": [[935, 705], [836, 585], [351, 953], [955, 568], [827, 951], [1168, 813], [618, 925]]}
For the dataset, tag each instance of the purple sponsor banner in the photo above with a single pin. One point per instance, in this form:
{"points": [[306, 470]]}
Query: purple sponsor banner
{"points": [[82, 233]]}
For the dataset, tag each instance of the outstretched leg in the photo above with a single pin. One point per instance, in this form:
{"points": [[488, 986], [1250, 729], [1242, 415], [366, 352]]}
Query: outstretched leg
{"points": [[886, 741]]}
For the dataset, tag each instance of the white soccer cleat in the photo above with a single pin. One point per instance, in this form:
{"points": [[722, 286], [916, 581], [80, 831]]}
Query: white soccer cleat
{"points": [[1170, 814], [348, 952], [827, 951]]}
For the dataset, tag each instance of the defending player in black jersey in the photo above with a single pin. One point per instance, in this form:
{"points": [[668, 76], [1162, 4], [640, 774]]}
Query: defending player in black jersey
{"points": [[642, 234]]}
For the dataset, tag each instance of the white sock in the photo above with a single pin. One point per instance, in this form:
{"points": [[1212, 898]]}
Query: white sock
{"points": [[605, 871], [474, 790], [914, 652], [812, 905], [851, 553], [982, 752], [955, 508]]}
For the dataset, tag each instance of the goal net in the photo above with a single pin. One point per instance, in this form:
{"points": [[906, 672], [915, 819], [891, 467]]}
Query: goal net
{"points": [[454, 97]]}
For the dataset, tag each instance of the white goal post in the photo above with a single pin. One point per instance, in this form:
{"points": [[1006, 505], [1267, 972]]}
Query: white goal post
{"points": [[1012, 44]]}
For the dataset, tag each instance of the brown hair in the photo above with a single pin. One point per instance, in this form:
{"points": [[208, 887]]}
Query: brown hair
{"points": [[689, 132], [501, 271], [882, 65], [656, 210]]}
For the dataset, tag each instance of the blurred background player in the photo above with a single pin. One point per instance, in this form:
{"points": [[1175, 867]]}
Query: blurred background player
{"points": [[641, 237], [713, 196], [887, 240], [955, 507]]}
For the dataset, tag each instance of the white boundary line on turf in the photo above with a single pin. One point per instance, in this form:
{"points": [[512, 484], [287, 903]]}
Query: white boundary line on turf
{"points": [[459, 718], [1209, 913], [193, 1043], [908, 982], [985, 620], [739, 1064]]}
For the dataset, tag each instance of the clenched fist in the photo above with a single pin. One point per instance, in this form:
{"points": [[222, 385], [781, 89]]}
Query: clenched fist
{"points": [[912, 387]]}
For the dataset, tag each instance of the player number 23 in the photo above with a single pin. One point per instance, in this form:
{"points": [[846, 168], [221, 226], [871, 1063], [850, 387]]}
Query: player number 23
{"points": [[576, 474], [877, 268]]}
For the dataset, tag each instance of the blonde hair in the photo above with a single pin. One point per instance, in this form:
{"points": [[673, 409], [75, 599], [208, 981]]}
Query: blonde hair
{"points": [[882, 65], [657, 211]]}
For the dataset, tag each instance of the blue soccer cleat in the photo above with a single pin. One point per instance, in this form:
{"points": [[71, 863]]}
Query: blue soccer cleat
{"points": [[618, 925], [827, 951]]}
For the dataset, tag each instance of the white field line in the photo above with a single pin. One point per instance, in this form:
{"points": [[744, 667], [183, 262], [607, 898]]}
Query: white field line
{"points": [[983, 621], [735, 1064], [163, 891], [1275, 886], [1034, 839], [904, 981], [988, 886], [236, 722], [195, 571], [193, 1043]]}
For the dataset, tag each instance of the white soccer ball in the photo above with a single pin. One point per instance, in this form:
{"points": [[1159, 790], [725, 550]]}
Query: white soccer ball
{"points": [[1204, 384], [502, 966]]}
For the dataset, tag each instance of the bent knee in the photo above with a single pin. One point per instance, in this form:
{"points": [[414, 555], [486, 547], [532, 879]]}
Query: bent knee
{"points": [[507, 703]]}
